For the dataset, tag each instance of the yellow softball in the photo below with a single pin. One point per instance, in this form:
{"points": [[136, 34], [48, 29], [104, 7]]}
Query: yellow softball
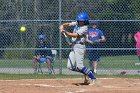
{"points": [[23, 29]]}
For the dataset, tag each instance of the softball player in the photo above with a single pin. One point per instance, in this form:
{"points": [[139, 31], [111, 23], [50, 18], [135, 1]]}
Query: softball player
{"points": [[78, 44], [44, 56], [94, 37], [137, 39]]}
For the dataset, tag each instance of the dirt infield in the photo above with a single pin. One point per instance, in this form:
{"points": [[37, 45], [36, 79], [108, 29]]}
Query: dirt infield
{"points": [[103, 85]]}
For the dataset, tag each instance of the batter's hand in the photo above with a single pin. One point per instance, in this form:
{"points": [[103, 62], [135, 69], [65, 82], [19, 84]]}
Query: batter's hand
{"points": [[96, 41], [61, 28]]}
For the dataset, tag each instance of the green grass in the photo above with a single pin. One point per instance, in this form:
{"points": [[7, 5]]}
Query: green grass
{"points": [[119, 62], [108, 62], [15, 63], [58, 76], [36, 76]]}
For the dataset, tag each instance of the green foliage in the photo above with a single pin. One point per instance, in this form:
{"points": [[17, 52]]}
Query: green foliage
{"points": [[32, 8]]}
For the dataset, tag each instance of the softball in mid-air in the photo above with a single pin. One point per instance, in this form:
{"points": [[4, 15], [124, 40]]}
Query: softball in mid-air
{"points": [[23, 29]]}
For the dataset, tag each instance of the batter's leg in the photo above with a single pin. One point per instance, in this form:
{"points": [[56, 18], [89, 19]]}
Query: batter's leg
{"points": [[79, 53]]}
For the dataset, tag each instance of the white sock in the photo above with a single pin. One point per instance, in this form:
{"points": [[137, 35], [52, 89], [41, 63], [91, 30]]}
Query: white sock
{"points": [[94, 70]]}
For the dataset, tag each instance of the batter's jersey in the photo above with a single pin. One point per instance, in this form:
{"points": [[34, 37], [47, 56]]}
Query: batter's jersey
{"points": [[44, 52], [81, 31]]}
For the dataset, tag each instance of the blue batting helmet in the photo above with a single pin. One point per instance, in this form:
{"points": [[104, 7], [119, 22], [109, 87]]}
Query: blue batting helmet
{"points": [[42, 60], [41, 36], [83, 16]]}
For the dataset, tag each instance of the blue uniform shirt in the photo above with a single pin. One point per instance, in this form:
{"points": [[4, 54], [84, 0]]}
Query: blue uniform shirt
{"points": [[94, 34], [44, 52]]}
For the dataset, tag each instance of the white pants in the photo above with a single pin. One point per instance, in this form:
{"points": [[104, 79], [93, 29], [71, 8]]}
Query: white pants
{"points": [[76, 56]]}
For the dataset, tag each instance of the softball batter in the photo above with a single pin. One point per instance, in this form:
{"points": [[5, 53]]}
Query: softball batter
{"points": [[78, 44]]}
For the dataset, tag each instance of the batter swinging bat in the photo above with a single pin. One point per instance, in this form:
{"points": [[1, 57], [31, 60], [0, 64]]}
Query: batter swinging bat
{"points": [[68, 41]]}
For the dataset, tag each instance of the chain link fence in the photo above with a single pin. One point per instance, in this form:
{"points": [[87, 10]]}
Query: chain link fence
{"points": [[119, 21]]}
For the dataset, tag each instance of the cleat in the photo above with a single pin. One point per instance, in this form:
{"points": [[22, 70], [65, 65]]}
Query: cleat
{"points": [[86, 81], [92, 82]]}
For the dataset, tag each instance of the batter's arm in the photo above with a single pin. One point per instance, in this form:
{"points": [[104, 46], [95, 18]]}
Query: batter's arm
{"points": [[74, 35], [62, 29], [63, 26]]}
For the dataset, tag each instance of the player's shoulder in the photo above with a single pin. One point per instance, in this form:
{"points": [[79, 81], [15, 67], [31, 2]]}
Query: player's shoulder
{"points": [[73, 23]]}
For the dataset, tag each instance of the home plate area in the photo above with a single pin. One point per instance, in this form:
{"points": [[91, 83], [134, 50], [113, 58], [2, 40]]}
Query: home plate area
{"points": [[75, 85]]}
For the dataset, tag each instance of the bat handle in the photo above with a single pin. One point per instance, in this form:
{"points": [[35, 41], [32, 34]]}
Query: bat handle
{"points": [[65, 34]]}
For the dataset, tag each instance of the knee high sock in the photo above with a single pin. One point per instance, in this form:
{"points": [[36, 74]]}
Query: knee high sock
{"points": [[87, 72]]}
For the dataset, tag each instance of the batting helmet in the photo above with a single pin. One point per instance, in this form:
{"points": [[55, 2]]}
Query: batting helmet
{"points": [[41, 36], [83, 16]]}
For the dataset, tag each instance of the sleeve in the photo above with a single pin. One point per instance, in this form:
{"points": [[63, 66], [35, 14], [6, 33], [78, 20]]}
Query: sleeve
{"points": [[74, 23], [82, 30], [101, 33]]}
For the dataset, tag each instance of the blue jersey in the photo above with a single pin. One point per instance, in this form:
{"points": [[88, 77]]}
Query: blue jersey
{"points": [[43, 52], [94, 34]]}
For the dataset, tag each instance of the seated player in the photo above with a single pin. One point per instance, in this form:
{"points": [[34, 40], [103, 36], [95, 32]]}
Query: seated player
{"points": [[42, 55]]}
